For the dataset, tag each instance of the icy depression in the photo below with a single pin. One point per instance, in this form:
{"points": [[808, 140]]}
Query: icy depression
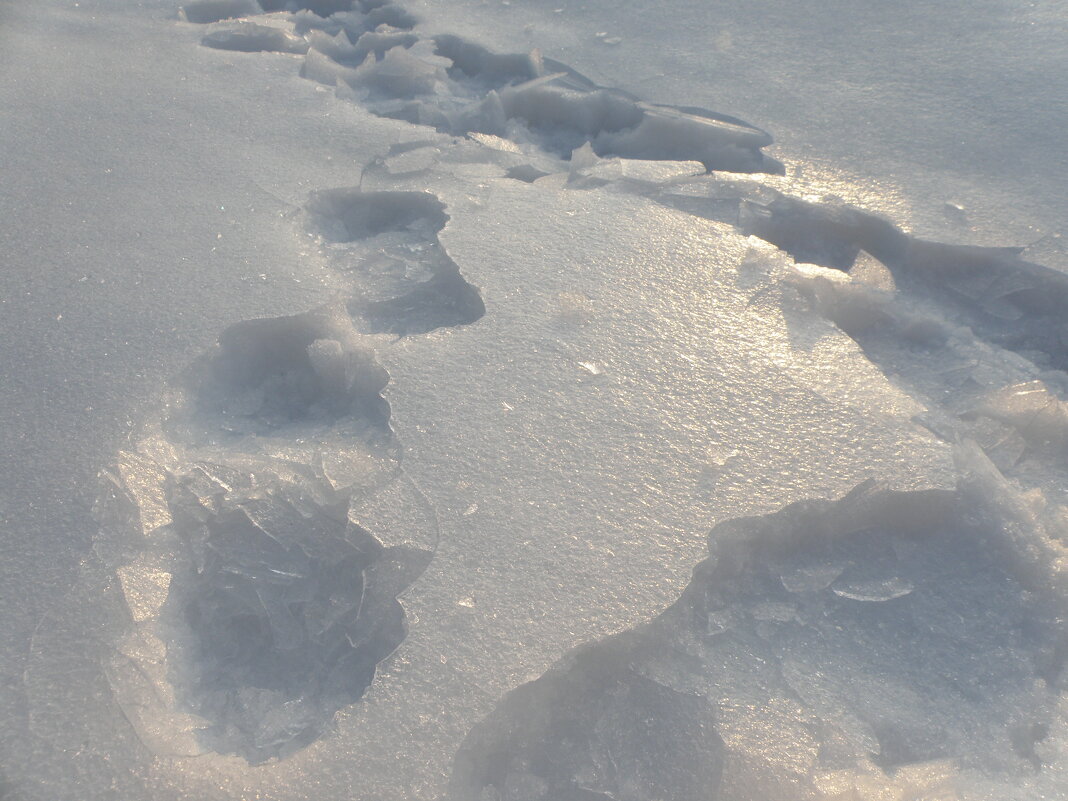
{"points": [[612, 463]]}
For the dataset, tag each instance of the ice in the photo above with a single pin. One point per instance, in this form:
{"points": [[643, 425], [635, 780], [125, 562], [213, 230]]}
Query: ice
{"points": [[414, 404], [876, 590], [204, 11], [811, 578], [1032, 409], [273, 634], [250, 37], [262, 617], [1004, 300], [459, 87], [322, 69], [251, 538], [869, 270], [399, 74], [688, 135], [338, 47], [815, 697], [268, 374], [408, 285], [348, 214], [495, 70]]}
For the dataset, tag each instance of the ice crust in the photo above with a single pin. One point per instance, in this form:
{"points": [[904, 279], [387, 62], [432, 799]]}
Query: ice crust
{"points": [[927, 688], [270, 374], [289, 611], [249, 37], [205, 11], [409, 285], [436, 539], [367, 51]]}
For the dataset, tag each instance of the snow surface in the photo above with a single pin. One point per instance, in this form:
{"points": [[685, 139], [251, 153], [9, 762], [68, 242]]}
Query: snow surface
{"points": [[420, 402]]}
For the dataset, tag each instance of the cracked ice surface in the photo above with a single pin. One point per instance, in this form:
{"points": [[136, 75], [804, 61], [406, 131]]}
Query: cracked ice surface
{"points": [[668, 399], [569, 502], [434, 533]]}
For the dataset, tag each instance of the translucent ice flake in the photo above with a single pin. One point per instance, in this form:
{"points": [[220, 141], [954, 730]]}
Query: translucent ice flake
{"points": [[401, 73], [719, 455], [205, 11], [284, 621], [411, 161], [775, 612], [251, 37], [874, 591], [869, 270], [927, 781], [1032, 409], [810, 578], [145, 589]]}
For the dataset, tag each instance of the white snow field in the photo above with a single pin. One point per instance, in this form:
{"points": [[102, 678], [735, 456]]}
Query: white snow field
{"points": [[522, 401]]}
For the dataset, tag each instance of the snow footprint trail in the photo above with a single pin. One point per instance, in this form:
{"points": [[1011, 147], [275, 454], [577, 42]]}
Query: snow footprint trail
{"points": [[606, 324], [511, 430], [368, 51], [1005, 300], [409, 285], [270, 506], [279, 605], [889, 645], [263, 529]]}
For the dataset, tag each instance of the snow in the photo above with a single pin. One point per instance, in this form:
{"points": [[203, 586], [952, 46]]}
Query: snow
{"points": [[875, 675], [945, 116], [415, 402]]}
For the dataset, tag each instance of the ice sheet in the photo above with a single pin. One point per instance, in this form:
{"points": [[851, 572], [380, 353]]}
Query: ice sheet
{"points": [[429, 527]]}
